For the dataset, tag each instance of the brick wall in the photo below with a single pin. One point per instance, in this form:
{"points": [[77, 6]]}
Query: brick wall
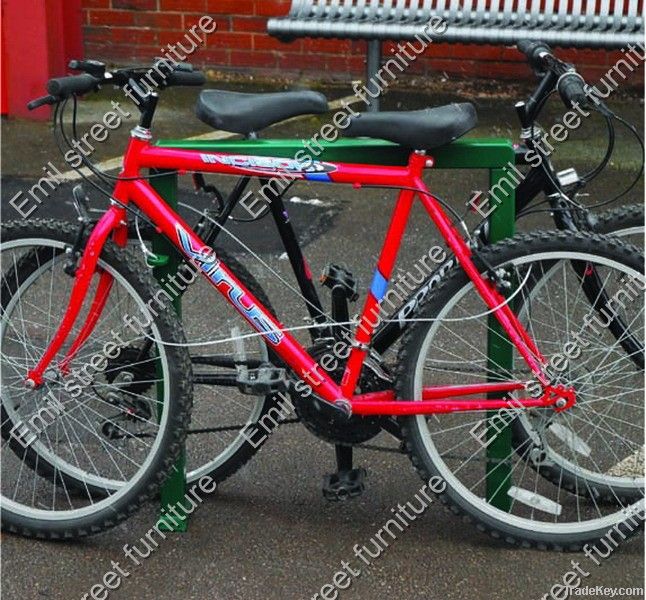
{"points": [[129, 30]]}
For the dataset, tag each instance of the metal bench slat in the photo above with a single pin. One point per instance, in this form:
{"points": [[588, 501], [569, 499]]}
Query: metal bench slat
{"points": [[346, 9], [586, 23], [507, 13], [633, 7], [424, 13]]}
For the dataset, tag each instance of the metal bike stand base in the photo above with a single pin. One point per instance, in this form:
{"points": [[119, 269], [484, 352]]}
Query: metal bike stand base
{"points": [[164, 266]]}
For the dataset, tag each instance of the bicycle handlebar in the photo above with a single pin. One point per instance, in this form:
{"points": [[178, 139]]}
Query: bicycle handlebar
{"points": [[534, 51], [74, 84], [569, 84], [59, 88], [571, 88], [38, 102], [195, 78]]}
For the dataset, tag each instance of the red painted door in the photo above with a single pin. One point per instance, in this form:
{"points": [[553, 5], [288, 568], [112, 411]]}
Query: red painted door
{"points": [[38, 40]]}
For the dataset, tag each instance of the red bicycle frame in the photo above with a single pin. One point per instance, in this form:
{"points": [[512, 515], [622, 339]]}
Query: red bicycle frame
{"points": [[133, 187]]}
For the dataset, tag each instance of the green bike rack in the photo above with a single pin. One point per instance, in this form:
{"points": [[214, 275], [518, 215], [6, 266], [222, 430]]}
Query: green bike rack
{"points": [[165, 264], [500, 359], [493, 154], [496, 155]]}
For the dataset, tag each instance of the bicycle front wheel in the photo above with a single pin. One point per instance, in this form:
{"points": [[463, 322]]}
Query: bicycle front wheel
{"points": [[600, 438], [93, 443]]}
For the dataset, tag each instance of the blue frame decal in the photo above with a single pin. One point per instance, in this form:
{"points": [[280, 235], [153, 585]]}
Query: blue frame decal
{"points": [[378, 286]]}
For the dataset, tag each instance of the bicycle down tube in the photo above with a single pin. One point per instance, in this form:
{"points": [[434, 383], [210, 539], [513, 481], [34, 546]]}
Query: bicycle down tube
{"points": [[132, 187]]}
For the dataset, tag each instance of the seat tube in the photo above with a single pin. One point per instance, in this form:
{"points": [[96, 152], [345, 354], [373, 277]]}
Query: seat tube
{"points": [[370, 315]]}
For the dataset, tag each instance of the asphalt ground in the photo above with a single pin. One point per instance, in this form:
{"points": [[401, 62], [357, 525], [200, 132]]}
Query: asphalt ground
{"points": [[268, 533]]}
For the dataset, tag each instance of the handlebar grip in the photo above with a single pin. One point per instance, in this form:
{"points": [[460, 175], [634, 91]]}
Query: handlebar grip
{"points": [[178, 66], [183, 78], [74, 84], [533, 51], [571, 88], [38, 102]]}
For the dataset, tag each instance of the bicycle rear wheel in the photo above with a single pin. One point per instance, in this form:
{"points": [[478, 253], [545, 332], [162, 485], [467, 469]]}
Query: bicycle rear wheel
{"points": [[627, 223], [89, 447], [607, 419]]}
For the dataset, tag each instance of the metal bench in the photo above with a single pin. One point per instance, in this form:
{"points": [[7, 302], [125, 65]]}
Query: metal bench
{"points": [[565, 23]]}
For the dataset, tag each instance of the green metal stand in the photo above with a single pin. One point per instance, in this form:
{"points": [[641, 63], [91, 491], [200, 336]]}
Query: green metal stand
{"points": [[497, 156], [500, 363], [492, 154], [165, 266]]}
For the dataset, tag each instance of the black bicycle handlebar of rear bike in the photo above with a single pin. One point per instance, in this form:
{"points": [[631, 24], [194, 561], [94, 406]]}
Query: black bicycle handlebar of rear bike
{"points": [[571, 88], [181, 78], [534, 52], [555, 74]]}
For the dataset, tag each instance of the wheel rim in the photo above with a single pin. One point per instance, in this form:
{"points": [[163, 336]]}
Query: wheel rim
{"points": [[440, 456]]}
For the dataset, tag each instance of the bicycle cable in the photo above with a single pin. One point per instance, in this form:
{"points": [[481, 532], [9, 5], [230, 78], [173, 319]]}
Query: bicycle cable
{"points": [[608, 116], [103, 174], [635, 181], [443, 202], [354, 322], [235, 238], [271, 270], [594, 173], [59, 127], [265, 212]]}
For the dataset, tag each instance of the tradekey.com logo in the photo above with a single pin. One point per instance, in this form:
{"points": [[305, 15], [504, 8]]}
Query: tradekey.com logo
{"points": [[211, 266]]}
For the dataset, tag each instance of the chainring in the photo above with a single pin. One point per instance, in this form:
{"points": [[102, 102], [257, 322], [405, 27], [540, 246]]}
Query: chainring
{"points": [[329, 424]]}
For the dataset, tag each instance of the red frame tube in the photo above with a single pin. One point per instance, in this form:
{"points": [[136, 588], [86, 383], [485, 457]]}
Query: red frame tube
{"points": [[98, 304], [110, 221], [141, 154]]}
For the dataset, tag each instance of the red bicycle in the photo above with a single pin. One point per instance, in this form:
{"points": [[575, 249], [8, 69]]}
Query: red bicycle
{"points": [[99, 447]]}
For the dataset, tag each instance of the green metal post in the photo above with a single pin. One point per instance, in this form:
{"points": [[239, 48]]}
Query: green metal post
{"points": [[165, 266], [500, 360]]}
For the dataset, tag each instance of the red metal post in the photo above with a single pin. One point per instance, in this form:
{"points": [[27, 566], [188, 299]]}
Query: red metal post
{"points": [[38, 40]]}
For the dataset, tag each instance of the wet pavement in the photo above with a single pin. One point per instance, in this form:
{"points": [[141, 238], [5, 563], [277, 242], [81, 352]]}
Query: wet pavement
{"points": [[267, 533]]}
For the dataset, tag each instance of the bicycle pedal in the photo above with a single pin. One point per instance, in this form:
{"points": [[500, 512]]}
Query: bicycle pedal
{"points": [[336, 276], [344, 485], [266, 379]]}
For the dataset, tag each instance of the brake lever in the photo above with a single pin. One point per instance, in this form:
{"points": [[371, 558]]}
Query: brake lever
{"points": [[91, 67], [42, 101], [183, 66]]}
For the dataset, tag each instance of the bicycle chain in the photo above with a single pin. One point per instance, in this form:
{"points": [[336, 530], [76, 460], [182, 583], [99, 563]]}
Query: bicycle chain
{"points": [[372, 447]]}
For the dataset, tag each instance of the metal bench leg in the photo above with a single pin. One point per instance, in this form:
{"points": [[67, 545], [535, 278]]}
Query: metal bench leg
{"points": [[373, 64]]}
